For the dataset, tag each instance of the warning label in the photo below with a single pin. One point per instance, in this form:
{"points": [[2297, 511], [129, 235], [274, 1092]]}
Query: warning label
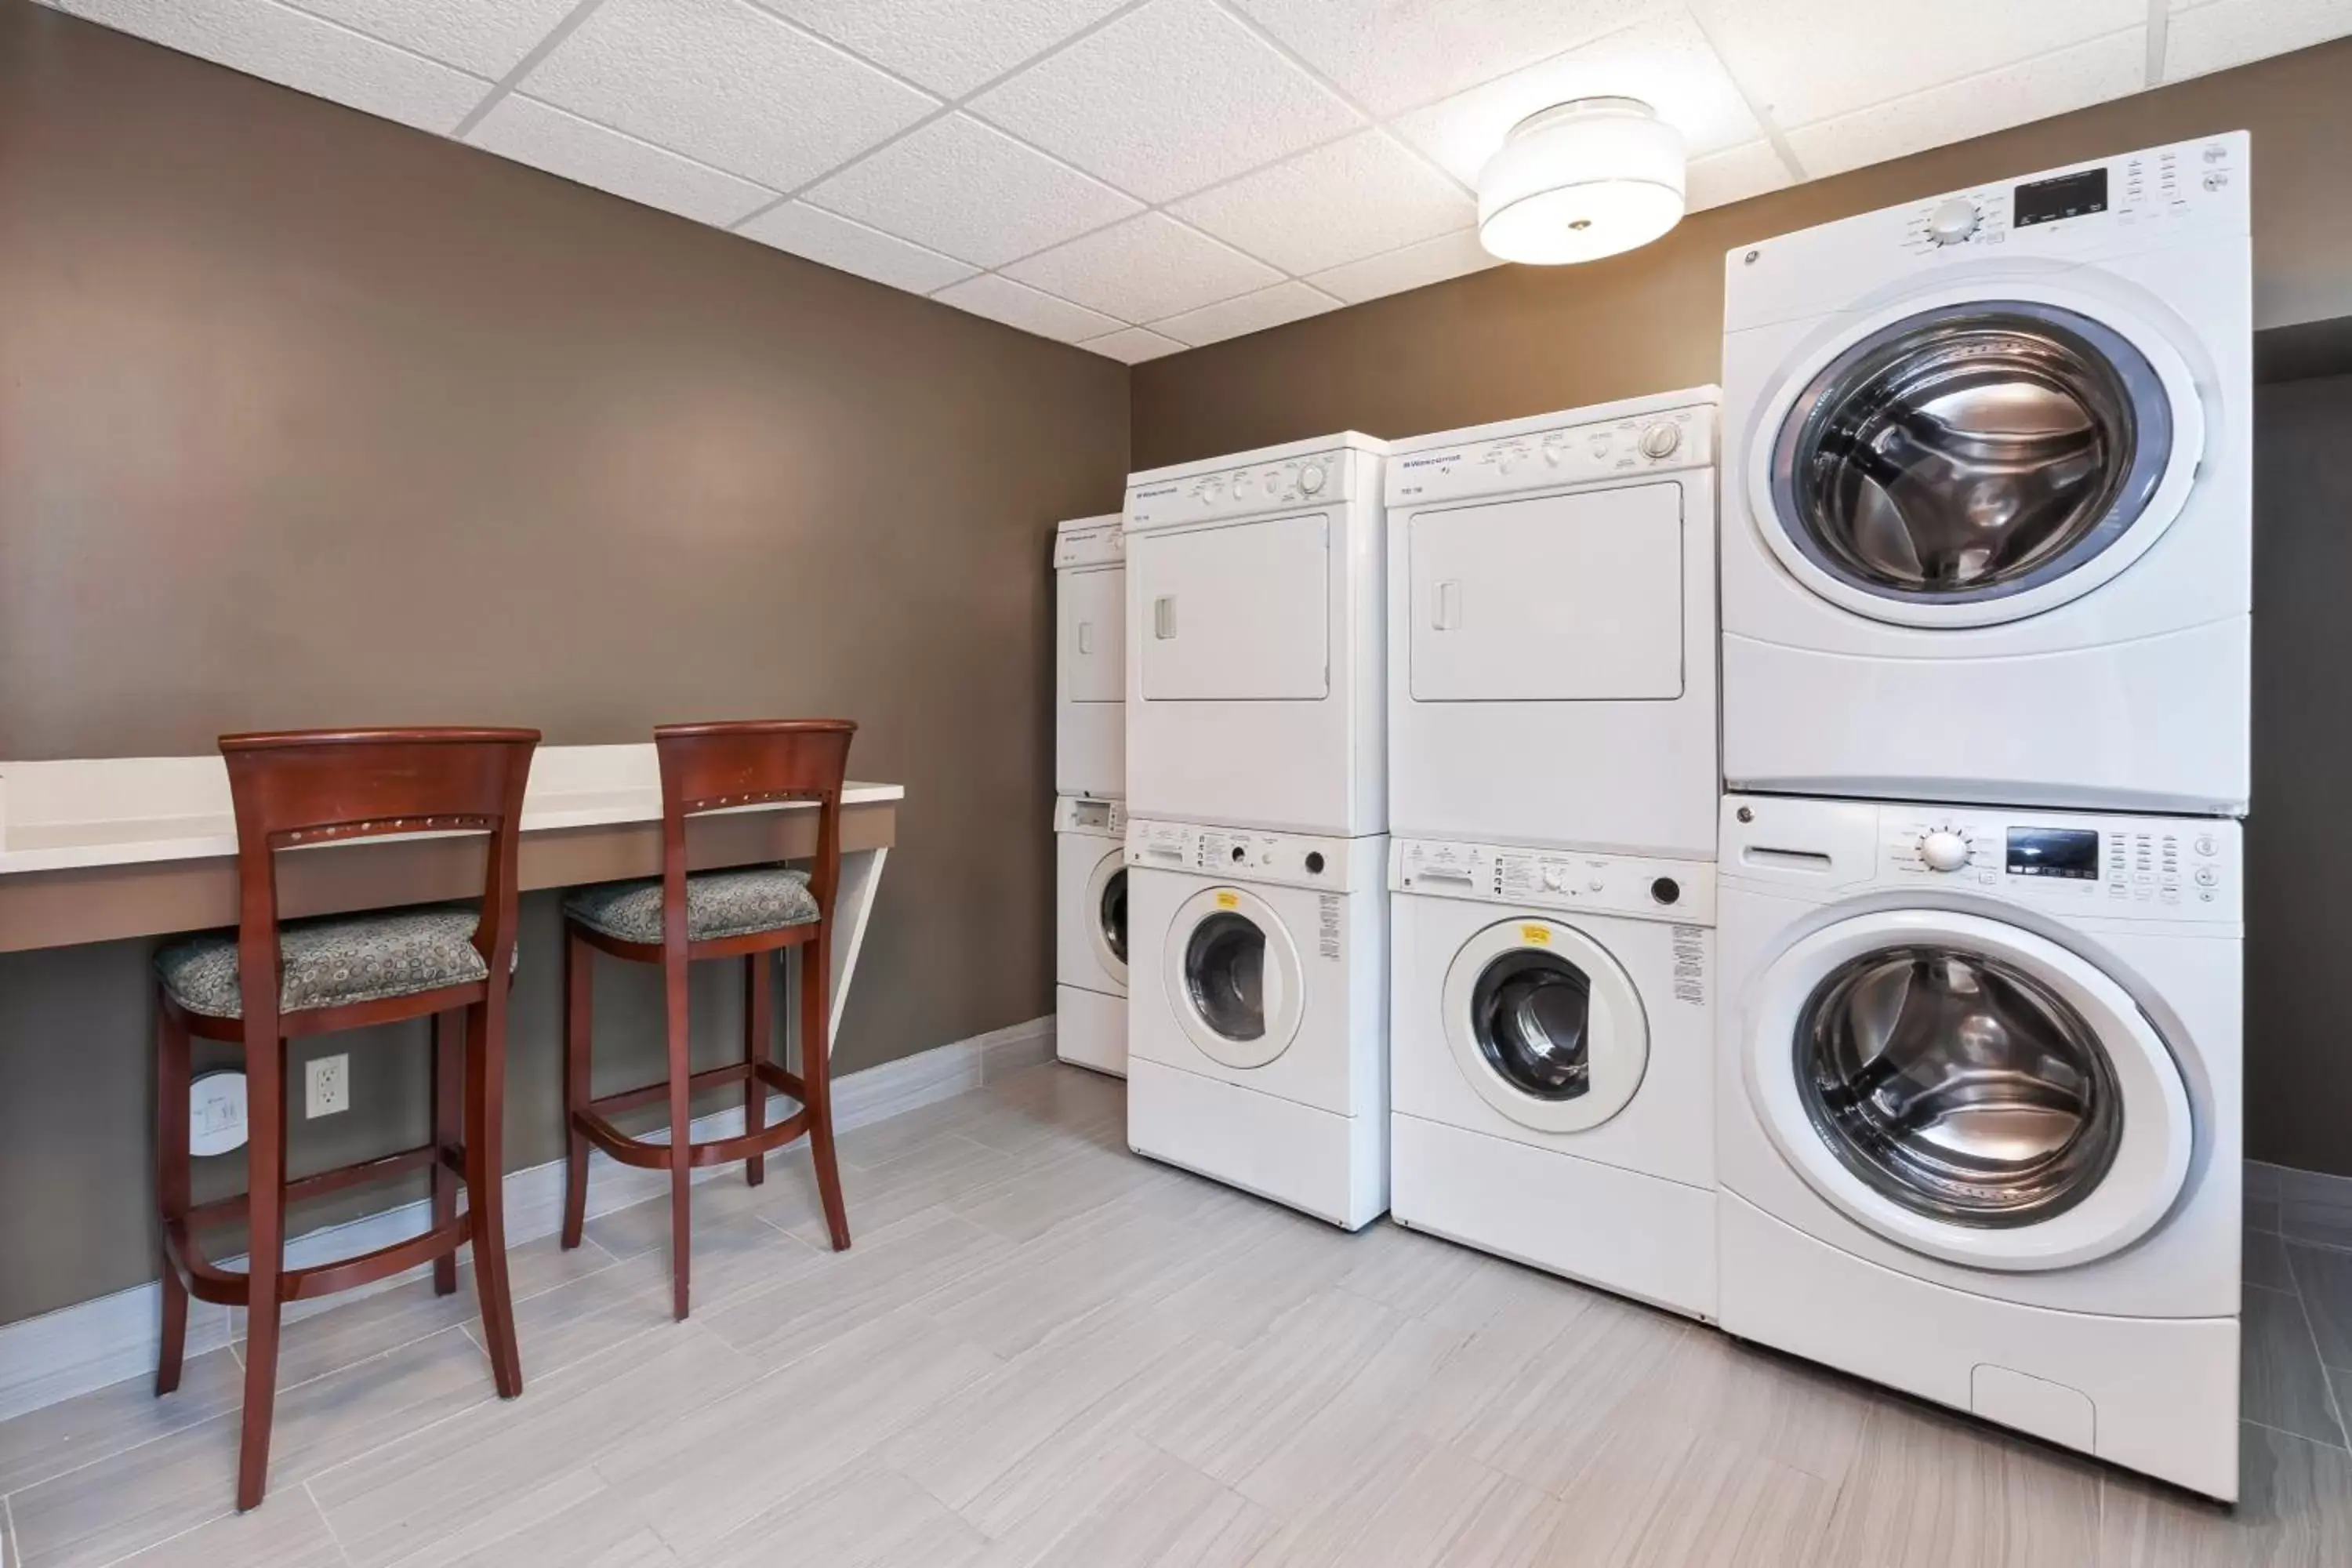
{"points": [[1329, 943], [1690, 966]]}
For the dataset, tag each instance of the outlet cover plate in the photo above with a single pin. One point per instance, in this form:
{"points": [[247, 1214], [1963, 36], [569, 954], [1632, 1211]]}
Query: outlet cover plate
{"points": [[327, 1085]]}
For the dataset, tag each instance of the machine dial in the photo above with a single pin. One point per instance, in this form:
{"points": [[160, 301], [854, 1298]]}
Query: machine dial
{"points": [[1953, 221], [1660, 441], [1944, 849], [1310, 477]]}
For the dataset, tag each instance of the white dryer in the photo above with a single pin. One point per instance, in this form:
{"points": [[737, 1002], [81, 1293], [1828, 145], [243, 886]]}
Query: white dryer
{"points": [[1090, 934], [1552, 629], [1090, 658], [1551, 1062], [1257, 1012], [1980, 1104], [1986, 510], [1255, 637]]}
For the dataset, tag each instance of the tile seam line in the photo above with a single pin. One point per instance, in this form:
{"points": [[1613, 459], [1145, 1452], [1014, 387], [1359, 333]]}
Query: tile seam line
{"points": [[532, 59], [2109, 36]]}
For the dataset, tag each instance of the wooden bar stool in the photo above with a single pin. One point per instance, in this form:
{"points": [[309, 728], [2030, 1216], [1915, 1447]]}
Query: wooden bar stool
{"points": [[678, 918], [270, 983]]}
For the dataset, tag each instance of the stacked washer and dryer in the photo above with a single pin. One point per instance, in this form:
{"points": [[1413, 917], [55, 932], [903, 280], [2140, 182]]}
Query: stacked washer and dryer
{"points": [[1986, 602], [1256, 840], [1089, 791], [1553, 788]]}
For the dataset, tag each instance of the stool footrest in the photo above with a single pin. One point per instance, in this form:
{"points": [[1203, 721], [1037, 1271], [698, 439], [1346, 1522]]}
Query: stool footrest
{"points": [[207, 1282], [647, 1156], [769, 1073], [231, 1210]]}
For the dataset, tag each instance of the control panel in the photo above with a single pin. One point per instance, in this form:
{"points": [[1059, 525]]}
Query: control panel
{"points": [[1513, 459], [1301, 476], [1091, 545], [1085, 814], [1249, 855], [1647, 886], [2164, 184]]}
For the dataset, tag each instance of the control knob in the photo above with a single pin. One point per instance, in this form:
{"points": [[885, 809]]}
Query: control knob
{"points": [[1953, 221], [1310, 477], [1660, 441], [1943, 850]]}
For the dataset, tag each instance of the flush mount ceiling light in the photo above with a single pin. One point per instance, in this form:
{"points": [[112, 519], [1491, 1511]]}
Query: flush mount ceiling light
{"points": [[1579, 181]]}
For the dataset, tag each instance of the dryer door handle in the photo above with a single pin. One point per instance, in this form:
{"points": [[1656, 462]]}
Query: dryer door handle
{"points": [[1086, 636], [1449, 606], [1163, 617]]}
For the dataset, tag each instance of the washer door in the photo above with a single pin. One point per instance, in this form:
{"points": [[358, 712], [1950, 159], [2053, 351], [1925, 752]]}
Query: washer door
{"points": [[1545, 1025], [1962, 461], [1233, 977], [1106, 913], [1967, 1089]]}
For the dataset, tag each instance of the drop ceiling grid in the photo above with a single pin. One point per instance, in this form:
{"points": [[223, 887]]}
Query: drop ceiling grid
{"points": [[1361, 123]]}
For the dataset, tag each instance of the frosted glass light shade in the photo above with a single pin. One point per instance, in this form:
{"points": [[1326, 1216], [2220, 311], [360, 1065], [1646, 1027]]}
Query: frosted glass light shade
{"points": [[1579, 181]]}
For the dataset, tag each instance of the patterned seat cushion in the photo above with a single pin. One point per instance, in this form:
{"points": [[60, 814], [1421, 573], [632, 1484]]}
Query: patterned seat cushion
{"points": [[332, 960], [717, 904]]}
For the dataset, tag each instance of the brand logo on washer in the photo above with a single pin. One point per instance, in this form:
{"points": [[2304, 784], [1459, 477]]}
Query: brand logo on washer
{"points": [[1428, 462], [1228, 900], [1539, 936]]}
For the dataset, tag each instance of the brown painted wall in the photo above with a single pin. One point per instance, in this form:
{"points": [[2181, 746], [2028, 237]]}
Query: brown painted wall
{"points": [[1518, 341], [308, 418]]}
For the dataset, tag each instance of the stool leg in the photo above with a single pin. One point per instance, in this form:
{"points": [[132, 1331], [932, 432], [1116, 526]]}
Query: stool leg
{"points": [[681, 1134], [486, 1109], [265, 1179], [579, 994], [448, 1132], [757, 1027], [816, 1079], [171, 1184]]}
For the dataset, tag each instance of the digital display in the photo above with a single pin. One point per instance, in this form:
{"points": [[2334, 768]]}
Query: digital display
{"points": [[2070, 852], [2068, 196]]}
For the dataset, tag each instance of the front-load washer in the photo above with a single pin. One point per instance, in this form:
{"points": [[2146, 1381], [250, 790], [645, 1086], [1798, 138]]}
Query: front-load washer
{"points": [[1978, 1114], [1551, 1049], [1254, 640], [1090, 934], [1257, 1052], [1552, 629], [1090, 658], [1985, 507]]}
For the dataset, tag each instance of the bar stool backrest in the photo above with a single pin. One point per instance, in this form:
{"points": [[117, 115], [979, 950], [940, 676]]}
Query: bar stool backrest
{"points": [[721, 767], [302, 787]]}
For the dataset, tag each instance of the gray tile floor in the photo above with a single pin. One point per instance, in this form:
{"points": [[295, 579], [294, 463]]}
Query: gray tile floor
{"points": [[1043, 1350]]}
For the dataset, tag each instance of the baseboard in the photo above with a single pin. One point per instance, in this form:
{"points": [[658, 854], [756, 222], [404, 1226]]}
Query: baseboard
{"points": [[86, 1346]]}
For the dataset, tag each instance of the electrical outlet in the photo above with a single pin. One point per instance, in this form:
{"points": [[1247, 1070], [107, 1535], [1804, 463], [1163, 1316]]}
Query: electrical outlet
{"points": [[327, 1085]]}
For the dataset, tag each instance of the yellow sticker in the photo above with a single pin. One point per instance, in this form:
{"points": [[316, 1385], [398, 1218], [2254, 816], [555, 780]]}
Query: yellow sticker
{"points": [[1229, 900], [1538, 935]]}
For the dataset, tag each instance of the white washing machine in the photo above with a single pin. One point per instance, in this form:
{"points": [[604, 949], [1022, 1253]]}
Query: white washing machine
{"points": [[1090, 934], [1552, 629], [1986, 504], [1257, 1013], [1979, 1113], [1254, 613], [1552, 1061], [1090, 658]]}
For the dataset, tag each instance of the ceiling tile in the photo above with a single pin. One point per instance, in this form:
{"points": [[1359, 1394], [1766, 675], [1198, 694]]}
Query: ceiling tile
{"points": [[1339, 203], [1415, 267], [1287, 301], [1144, 268], [851, 246], [1168, 98], [1734, 174], [963, 188], [1018, 305], [2209, 37], [948, 46], [726, 84], [2012, 95], [1133, 344], [1667, 64], [1804, 60], [1392, 56], [545, 138], [276, 43], [489, 37]]}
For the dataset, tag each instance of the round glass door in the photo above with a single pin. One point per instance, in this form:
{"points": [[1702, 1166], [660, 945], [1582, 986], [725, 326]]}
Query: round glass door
{"points": [[1545, 1025], [1958, 1085], [1967, 1089], [1233, 976], [1977, 461], [1107, 917]]}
